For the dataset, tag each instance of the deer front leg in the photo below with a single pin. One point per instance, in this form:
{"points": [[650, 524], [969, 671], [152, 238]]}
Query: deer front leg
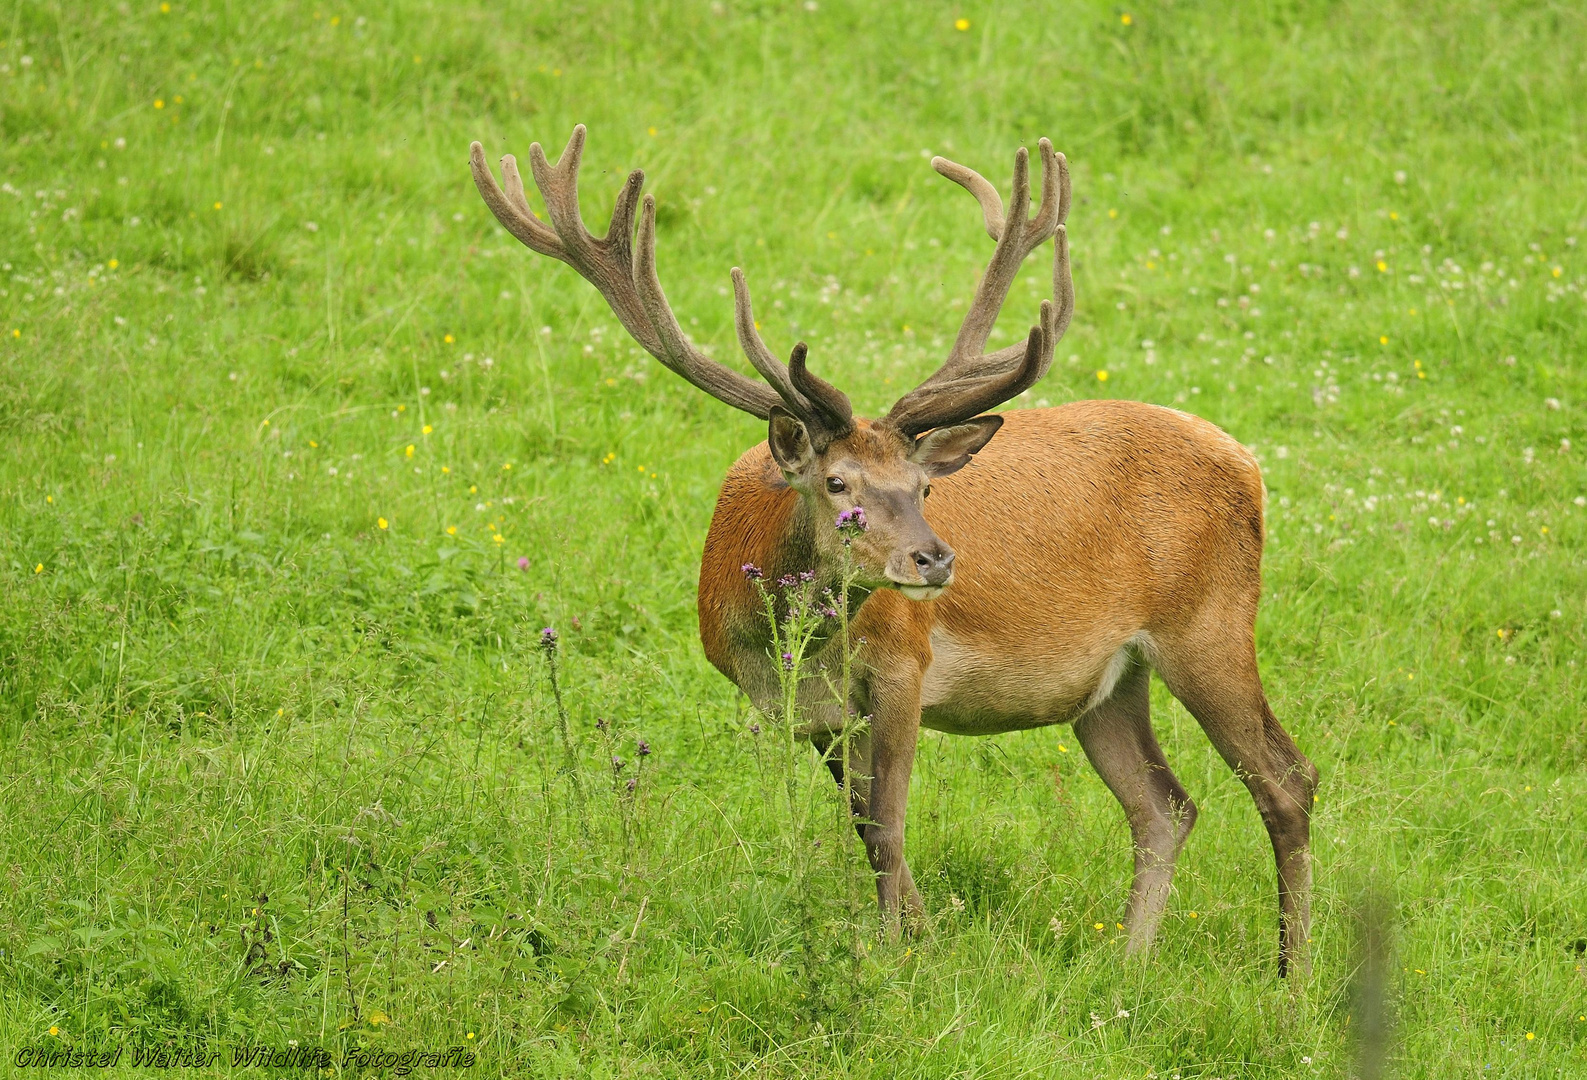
{"points": [[895, 727]]}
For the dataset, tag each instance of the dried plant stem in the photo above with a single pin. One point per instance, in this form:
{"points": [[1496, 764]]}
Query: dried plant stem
{"points": [[569, 752]]}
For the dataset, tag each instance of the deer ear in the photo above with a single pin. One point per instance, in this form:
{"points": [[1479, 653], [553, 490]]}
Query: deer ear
{"points": [[946, 450], [790, 441]]}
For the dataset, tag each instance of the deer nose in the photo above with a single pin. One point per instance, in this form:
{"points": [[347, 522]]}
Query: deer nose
{"points": [[935, 565]]}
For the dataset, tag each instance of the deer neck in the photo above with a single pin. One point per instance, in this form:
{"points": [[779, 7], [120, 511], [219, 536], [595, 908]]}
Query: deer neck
{"points": [[795, 553]]}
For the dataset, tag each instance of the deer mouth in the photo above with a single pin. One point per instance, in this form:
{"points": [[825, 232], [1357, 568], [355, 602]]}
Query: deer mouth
{"points": [[922, 592]]}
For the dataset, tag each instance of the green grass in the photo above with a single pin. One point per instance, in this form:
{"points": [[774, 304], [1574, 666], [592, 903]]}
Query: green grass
{"points": [[271, 771]]}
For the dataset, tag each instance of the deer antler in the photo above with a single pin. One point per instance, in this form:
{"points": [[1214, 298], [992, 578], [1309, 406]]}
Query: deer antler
{"points": [[971, 381], [625, 274]]}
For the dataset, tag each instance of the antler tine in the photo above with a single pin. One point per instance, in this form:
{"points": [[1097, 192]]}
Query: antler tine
{"points": [[674, 349], [1056, 317], [980, 187], [1054, 210], [937, 405], [512, 183], [771, 369], [510, 206], [833, 413], [625, 274], [1000, 271], [1063, 287], [559, 187], [970, 380], [620, 233]]}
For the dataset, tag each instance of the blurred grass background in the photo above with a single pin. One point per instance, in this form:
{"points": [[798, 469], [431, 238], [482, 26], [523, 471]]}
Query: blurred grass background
{"points": [[282, 408]]}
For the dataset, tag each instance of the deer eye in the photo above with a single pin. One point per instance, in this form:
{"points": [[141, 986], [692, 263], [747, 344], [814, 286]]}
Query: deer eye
{"points": [[926, 494], [835, 484]]}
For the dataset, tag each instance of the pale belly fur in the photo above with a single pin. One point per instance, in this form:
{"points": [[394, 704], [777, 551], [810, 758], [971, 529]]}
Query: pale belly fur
{"points": [[980, 692]]}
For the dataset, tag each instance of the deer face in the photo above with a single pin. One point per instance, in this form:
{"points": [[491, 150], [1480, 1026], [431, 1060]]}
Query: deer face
{"points": [[887, 476]]}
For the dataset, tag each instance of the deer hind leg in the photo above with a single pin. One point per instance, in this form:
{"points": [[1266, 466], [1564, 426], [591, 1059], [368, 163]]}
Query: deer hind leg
{"points": [[1117, 738], [1217, 680]]}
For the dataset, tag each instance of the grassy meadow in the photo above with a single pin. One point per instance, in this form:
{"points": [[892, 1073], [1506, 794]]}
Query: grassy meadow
{"points": [[299, 451]]}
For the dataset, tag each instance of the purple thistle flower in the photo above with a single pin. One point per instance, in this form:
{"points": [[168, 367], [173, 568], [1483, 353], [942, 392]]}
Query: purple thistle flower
{"points": [[617, 764], [807, 576], [787, 581], [754, 729], [851, 522], [633, 782], [523, 562], [829, 613], [751, 571], [548, 639], [787, 661], [643, 749]]}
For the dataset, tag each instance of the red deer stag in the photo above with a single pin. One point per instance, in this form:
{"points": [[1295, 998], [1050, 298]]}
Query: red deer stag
{"points": [[1053, 568]]}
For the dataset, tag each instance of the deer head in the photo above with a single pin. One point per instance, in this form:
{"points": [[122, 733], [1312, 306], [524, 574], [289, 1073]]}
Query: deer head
{"points": [[877, 472]]}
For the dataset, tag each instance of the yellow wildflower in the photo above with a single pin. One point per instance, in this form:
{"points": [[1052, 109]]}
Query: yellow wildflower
{"points": [[1102, 376], [382, 522], [427, 429], [961, 24], [409, 450]]}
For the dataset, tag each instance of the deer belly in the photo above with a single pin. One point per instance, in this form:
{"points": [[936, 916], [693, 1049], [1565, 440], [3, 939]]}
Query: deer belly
{"points": [[969, 691]]}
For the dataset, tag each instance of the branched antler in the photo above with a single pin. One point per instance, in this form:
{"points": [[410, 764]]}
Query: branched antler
{"points": [[971, 381], [622, 266], [625, 274]]}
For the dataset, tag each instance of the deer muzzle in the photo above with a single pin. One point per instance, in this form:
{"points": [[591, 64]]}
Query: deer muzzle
{"points": [[925, 572]]}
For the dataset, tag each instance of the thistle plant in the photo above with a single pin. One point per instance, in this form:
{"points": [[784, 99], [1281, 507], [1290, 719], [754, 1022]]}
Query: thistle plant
{"points": [[793, 629], [850, 524], [625, 788], [548, 648], [810, 624]]}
